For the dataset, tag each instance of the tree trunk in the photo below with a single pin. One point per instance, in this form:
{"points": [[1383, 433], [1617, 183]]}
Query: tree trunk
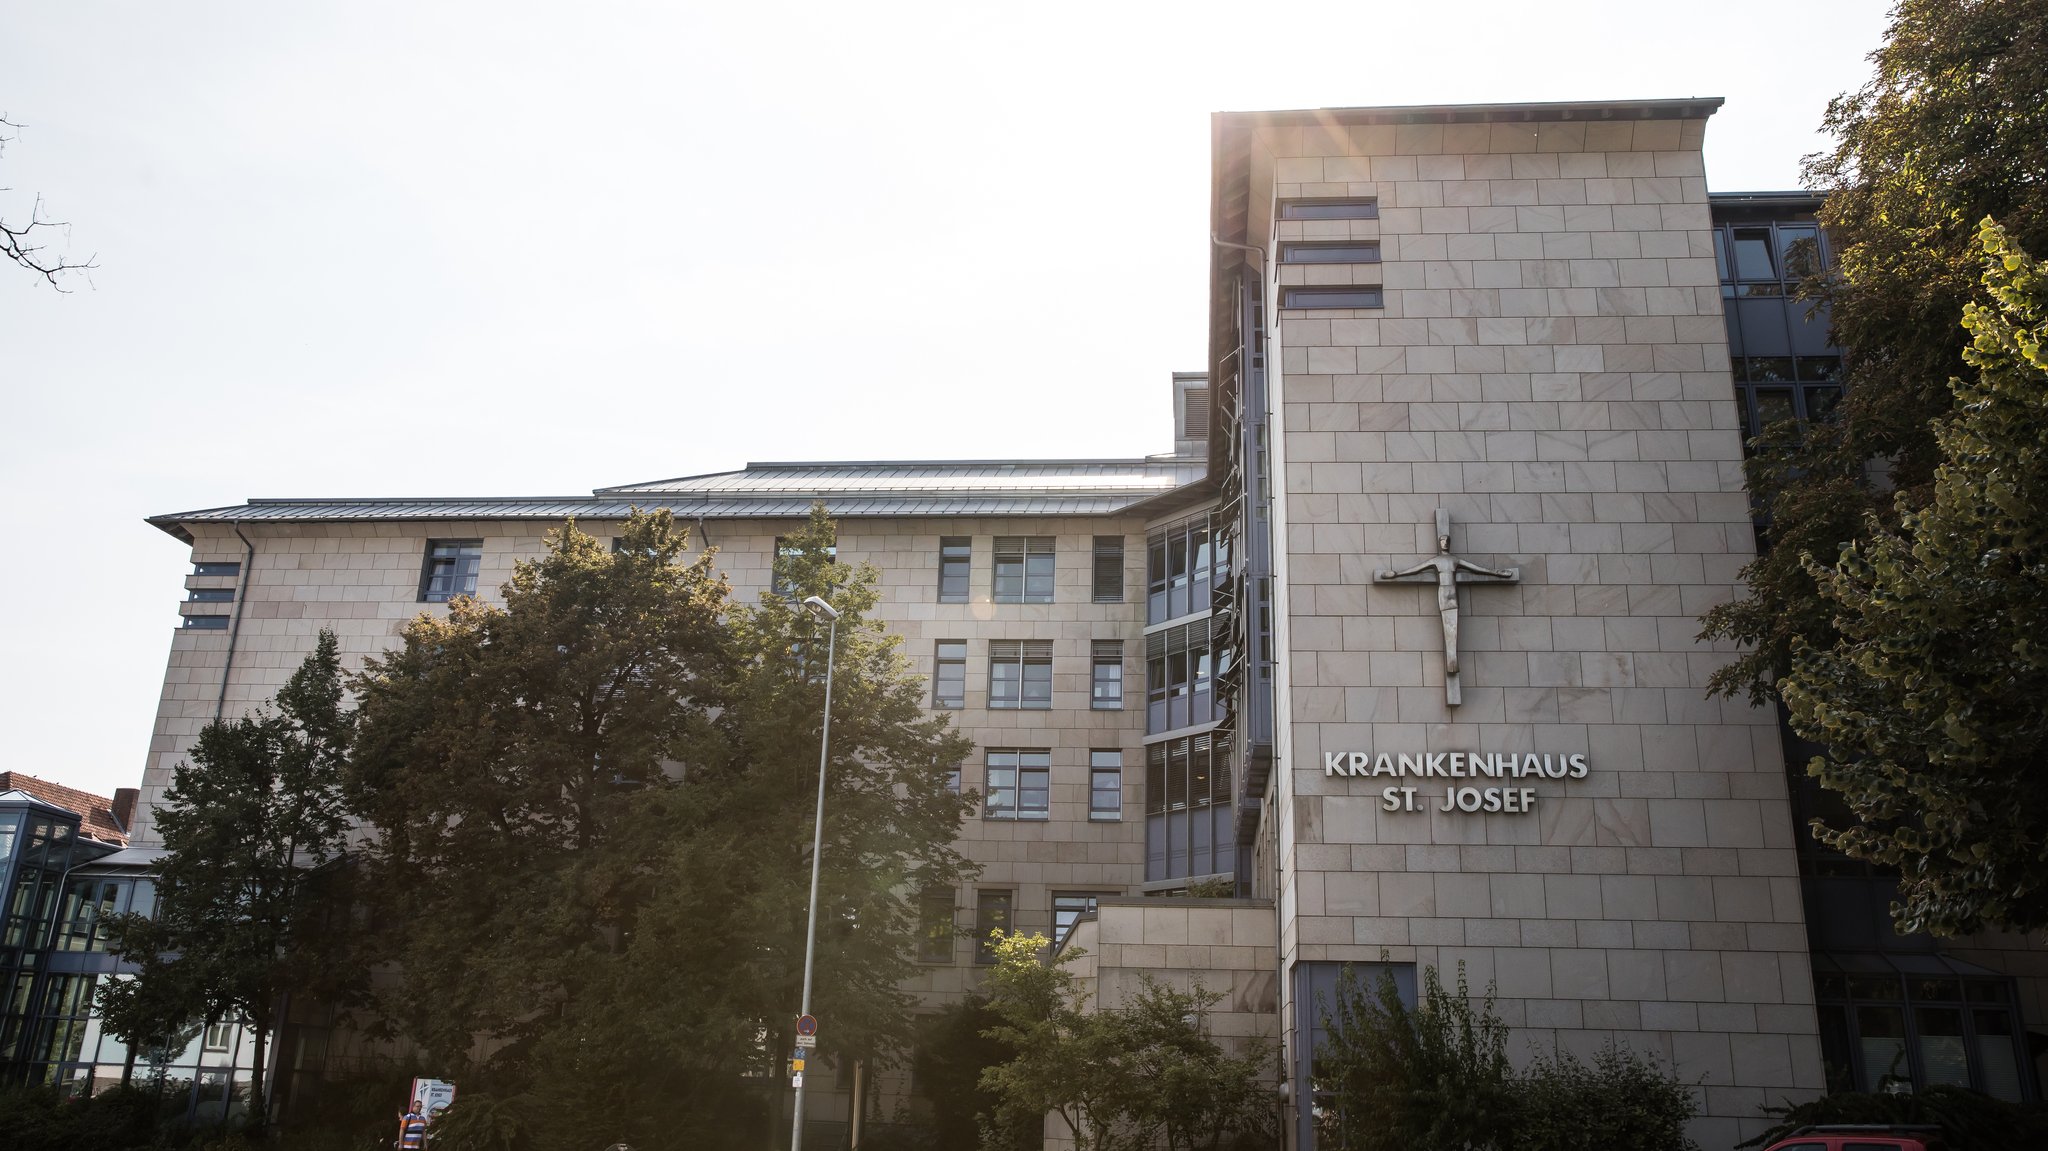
{"points": [[259, 1093]]}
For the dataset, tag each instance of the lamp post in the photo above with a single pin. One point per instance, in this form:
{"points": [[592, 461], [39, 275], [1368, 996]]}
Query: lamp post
{"points": [[825, 611]]}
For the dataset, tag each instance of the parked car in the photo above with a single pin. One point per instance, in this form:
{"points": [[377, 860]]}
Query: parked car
{"points": [[1862, 1137]]}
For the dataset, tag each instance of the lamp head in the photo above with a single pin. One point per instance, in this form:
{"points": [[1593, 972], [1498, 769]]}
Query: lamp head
{"points": [[821, 609]]}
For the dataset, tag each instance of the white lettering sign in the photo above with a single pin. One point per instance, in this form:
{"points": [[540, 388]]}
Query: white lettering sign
{"points": [[1466, 765]]}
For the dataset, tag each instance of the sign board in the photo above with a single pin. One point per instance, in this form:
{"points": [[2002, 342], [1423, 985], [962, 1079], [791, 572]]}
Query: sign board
{"points": [[804, 1041], [806, 1025], [797, 1080], [433, 1096], [1471, 767], [796, 1065]]}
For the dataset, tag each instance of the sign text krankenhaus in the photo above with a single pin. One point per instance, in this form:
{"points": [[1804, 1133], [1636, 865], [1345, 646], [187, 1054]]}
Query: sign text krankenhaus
{"points": [[1457, 765]]}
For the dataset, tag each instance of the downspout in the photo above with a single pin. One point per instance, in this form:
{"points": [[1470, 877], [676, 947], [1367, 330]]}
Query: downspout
{"points": [[235, 629]]}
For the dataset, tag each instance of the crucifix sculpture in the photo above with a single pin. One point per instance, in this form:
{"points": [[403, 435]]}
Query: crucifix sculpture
{"points": [[1447, 571]]}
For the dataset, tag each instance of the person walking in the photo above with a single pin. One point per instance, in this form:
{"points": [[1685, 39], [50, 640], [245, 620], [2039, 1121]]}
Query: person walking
{"points": [[412, 1128]]}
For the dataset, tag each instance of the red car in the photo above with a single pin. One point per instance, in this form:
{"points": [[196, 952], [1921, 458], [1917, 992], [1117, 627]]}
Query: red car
{"points": [[1862, 1137]]}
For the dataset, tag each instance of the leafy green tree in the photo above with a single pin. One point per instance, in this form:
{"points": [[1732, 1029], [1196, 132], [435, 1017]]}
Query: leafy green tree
{"points": [[1132, 1078], [247, 823], [1434, 1076], [1930, 698], [1621, 1101], [1950, 129], [594, 851]]}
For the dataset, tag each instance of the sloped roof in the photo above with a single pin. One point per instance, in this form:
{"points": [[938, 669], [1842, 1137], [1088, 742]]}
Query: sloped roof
{"points": [[779, 490], [95, 812]]}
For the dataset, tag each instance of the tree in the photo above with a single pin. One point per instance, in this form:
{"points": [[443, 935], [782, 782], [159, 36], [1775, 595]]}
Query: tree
{"points": [[1929, 698], [21, 242], [1949, 130], [1415, 1079], [593, 807], [247, 823], [953, 1048], [1130, 1078]]}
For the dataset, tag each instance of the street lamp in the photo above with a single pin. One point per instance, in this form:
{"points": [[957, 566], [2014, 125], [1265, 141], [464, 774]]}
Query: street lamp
{"points": [[825, 611]]}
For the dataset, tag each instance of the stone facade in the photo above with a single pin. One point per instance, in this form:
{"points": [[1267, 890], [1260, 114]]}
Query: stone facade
{"points": [[1550, 365]]}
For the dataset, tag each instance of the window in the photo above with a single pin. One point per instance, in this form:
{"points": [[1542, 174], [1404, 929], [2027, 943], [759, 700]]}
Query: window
{"points": [[206, 623], [219, 1036], [1020, 673], [1109, 569], [1772, 389], [1183, 563], [1180, 670], [956, 555], [216, 568], [211, 595], [1333, 296], [991, 914], [935, 929], [953, 779], [450, 569], [1331, 208], [949, 674], [1186, 773], [1887, 1027], [1105, 785], [1067, 909], [1331, 252], [1024, 569], [787, 555], [1106, 691], [1019, 784]]}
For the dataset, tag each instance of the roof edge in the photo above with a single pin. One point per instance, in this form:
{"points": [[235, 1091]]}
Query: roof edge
{"points": [[1688, 108]]}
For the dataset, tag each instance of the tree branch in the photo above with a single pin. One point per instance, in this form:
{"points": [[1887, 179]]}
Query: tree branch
{"points": [[19, 242]]}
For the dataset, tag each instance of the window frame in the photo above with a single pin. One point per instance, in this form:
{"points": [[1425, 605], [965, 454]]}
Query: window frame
{"points": [[994, 907], [942, 663], [1327, 208], [1291, 249], [1033, 663], [956, 552], [1105, 654], [1333, 297], [463, 575], [1105, 763], [929, 900], [1080, 903], [1026, 778], [1107, 572], [1026, 561]]}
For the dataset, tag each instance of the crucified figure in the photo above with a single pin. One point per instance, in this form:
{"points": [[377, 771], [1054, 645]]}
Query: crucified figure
{"points": [[1447, 572]]}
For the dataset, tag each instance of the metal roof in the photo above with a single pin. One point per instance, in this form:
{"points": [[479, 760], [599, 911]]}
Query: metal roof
{"points": [[778, 490]]}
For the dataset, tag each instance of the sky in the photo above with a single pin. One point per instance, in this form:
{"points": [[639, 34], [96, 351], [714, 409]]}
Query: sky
{"points": [[403, 249]]}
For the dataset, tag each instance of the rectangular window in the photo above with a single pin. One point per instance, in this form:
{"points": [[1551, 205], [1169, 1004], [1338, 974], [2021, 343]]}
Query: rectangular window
{"points": [[206, 623], [956, 555], [1333, 296], [1331, 252], [953, 779], [1186, 773], [216, 568], [211, 595], [1023, 569], [219, 1036], [1020, 673], [949, 674], [1067, 909], [935, 929], [1184, 563], [781, 581], [1331, 208], [1109, 569], [1106, 690], [1105, 785], [450, 569], [1019, 784], [991, 914]]}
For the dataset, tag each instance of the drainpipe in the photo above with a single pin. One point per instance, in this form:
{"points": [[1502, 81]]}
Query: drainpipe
{"points": [[235, 629]]}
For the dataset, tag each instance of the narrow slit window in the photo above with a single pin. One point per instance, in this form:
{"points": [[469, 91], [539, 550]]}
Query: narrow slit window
{"points": [[1332, 252], [1333, 296], [1331, 208]]}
